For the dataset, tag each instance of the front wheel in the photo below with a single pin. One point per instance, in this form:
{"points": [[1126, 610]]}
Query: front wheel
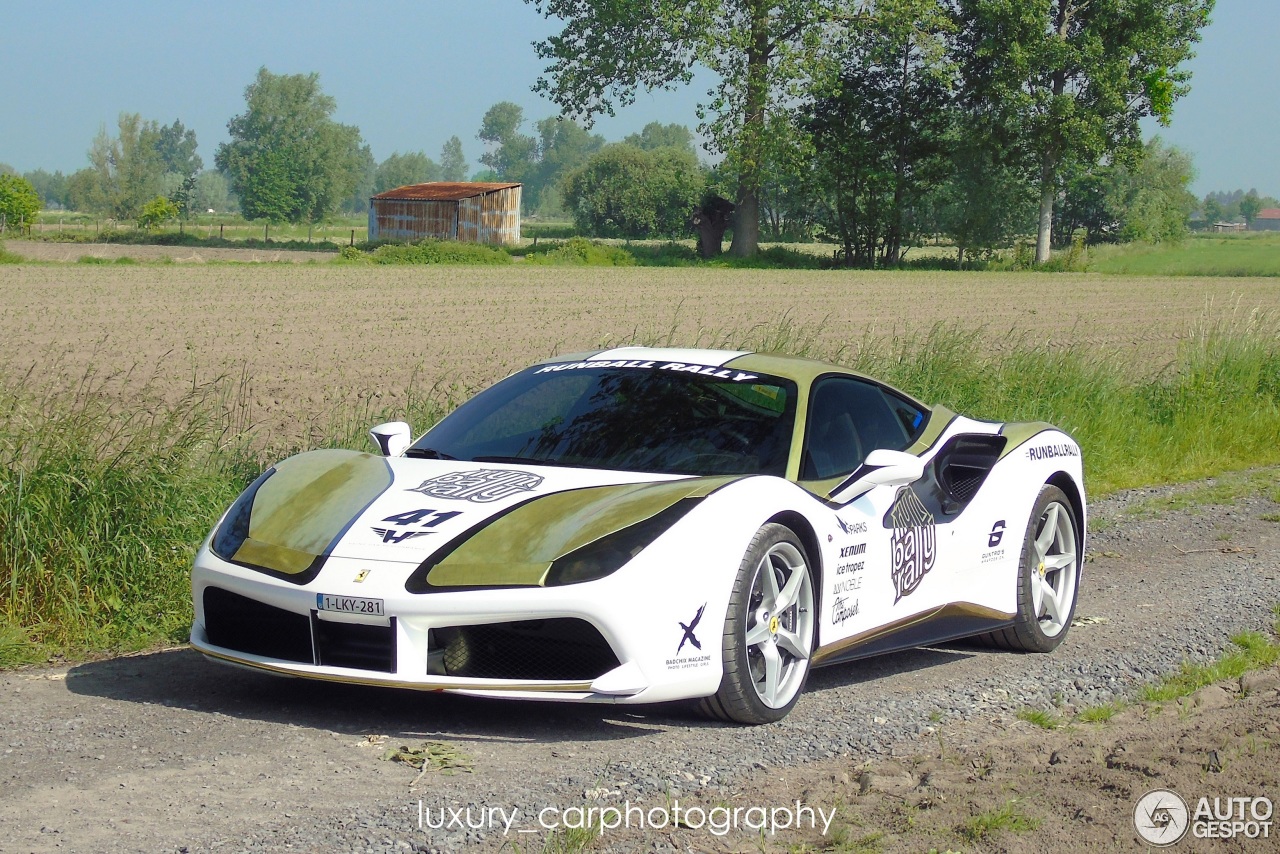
{"points": [[1048, 577], [768, 632]]}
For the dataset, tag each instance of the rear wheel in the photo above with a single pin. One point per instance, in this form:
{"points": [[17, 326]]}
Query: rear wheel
{"points": [[768, 631], [1048, 577]]}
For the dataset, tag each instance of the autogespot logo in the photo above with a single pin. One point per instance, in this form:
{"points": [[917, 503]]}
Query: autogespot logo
{"points": [[1161, 817]]}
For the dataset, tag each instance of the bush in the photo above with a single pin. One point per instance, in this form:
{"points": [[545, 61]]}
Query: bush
{"points": [[580, 252], [439, 252]]}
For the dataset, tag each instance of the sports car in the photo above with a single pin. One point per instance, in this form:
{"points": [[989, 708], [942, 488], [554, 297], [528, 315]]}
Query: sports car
{"points": [[639, 525]]}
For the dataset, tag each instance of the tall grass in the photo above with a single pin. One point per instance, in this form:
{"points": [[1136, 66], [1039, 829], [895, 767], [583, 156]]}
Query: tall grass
{"points": [[102, 508]]}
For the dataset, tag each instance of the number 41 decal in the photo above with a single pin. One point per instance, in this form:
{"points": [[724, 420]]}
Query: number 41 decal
{"points": [[413, 517]]}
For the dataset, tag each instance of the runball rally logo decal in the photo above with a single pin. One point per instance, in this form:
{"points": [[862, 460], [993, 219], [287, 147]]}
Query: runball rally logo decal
{"points": [[914, 542]]}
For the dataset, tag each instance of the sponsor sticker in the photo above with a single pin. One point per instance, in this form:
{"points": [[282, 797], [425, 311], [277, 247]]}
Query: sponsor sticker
{"points": [[480, 487], [1049, 452], [842, 611], [689, 659], [914, 542], [680, 367]]}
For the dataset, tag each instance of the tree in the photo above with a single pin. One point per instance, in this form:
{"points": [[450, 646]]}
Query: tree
{"points": [[1250, 207], [1213, 212], [511, 154], [288, 160], [6, 169], [563, 145], [158, 210], [1152, 196], [1072, 78], [51, 186], [985, 203], [763, 52], [176, 146], [400, 170], [880, 139], [366, 174], [125, 171], [19, 202], [624, 191], [657, 135], [453, 164]]}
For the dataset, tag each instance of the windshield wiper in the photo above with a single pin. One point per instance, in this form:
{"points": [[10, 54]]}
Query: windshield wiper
{"points": [[528, 461], [428, 454]]}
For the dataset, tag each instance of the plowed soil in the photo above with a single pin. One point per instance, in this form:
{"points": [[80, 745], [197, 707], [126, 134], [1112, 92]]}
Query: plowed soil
{"points": [[314, 339]]}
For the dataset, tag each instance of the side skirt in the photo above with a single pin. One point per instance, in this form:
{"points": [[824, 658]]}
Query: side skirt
{"points": [[942, 624]]}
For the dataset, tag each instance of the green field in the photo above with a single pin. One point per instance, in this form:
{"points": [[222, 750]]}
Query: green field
{"points": [[1238, 254]]}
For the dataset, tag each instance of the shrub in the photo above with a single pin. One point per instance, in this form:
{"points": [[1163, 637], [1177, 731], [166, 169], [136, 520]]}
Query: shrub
{"points": [[439, 252], [580, 252]]}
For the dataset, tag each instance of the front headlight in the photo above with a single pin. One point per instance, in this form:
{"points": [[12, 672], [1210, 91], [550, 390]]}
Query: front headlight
{"points": [[234, 529], [608, 554]]}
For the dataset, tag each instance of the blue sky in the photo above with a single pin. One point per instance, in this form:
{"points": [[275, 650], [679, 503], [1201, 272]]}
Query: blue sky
{"points": [[412, 74]]}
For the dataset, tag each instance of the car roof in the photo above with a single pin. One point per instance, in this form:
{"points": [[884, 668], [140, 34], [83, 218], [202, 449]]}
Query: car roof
{"points": [[797, 368]]}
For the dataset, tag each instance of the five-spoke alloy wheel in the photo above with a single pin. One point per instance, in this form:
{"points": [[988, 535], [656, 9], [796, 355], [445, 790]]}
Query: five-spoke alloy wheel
{"points": [[769, 631], [1048, 576]]}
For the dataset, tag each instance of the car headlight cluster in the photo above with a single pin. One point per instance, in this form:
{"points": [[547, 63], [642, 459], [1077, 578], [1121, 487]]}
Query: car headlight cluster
{"points": [[609, 553]]}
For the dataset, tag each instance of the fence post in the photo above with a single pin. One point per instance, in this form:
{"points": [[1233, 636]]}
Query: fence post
{"points": [[219, 231], [353, 237]]}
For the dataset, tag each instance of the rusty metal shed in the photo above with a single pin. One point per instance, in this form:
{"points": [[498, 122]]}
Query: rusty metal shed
{"points": [[447, 210]]}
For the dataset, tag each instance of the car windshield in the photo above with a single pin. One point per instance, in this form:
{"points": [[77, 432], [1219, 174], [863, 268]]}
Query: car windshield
{"points": [[641, 416]]}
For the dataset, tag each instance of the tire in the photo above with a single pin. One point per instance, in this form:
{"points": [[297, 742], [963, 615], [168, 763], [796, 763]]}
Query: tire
{"points": [[1048, 577], [764, 636]]}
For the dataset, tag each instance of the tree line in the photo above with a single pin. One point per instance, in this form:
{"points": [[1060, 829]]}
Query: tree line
{"points": [[870, 124]]}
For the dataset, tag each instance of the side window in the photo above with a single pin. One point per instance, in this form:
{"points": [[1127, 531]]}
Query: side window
{"points": [[848, 419]]}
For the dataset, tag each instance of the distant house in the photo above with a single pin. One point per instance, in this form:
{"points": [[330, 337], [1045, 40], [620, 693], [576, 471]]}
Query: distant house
{"points": [[447, 210], [1268, 219]]}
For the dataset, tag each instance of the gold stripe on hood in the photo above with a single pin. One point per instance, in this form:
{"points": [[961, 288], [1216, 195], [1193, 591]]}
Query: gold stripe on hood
{"points": [[518, 548], [311, 499]]}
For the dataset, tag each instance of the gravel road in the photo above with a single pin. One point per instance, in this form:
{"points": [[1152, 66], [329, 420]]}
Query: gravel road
{"points": [[168, 752]]}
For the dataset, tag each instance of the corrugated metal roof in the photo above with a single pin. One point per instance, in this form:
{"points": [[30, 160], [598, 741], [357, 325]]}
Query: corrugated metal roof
{"points": [[444, 190]]}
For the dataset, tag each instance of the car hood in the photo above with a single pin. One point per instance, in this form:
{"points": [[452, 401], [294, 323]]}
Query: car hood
{"points": [[475, 523]]}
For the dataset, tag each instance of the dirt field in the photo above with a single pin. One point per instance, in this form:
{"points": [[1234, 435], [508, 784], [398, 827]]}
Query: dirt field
{"points": [[313, 338]]}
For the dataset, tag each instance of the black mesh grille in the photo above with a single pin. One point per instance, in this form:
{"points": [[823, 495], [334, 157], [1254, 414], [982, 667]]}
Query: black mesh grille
{"points": [[560, 648], [237, 622], [964, 482], [355, 645]]}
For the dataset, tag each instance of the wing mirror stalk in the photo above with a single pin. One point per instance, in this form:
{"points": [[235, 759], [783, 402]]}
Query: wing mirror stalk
{"points": [[391, 438], [881, 468]]}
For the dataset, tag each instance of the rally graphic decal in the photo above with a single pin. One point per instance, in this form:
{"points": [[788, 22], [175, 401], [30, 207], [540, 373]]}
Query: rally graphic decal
{"points": [[481, 486], [914, 542]]}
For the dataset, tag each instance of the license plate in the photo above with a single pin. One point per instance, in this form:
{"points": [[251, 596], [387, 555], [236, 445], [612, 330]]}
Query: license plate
{"points": [[349, 605]]}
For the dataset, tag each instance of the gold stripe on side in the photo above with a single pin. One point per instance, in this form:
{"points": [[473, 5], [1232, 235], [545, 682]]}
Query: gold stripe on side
{"points": [[558, 687], [1020, 432], [955, 609]]}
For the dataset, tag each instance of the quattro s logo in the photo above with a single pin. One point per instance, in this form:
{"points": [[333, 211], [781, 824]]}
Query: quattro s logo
{"points": [[996, 535]]}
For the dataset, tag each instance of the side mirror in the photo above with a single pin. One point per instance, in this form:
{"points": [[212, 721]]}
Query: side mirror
{"points": [[392, 438], [881, 468]]}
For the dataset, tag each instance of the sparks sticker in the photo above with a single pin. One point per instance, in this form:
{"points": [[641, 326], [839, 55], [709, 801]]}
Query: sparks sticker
{"points": [[914, 542]]}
